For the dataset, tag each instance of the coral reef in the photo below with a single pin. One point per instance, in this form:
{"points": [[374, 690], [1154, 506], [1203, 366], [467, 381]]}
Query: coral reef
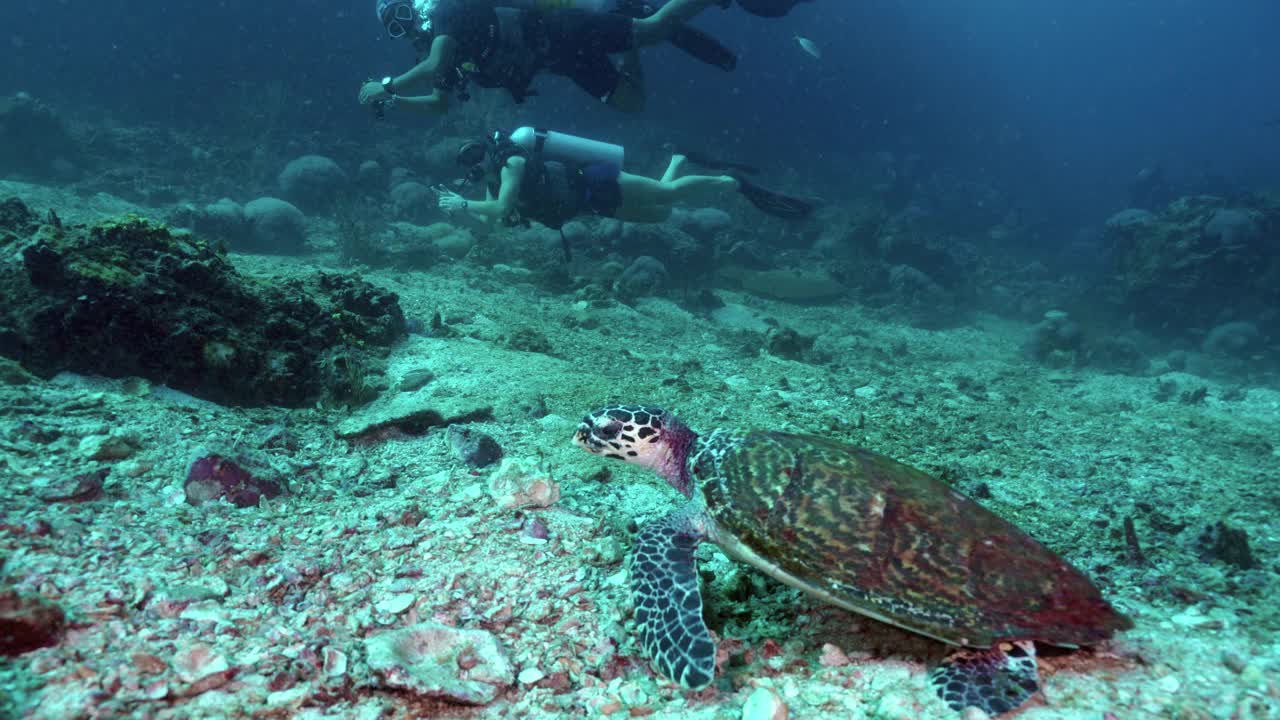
{"points": [[314, 182], [127, 297], [274, 227], [35, 141], [1184, 268]]}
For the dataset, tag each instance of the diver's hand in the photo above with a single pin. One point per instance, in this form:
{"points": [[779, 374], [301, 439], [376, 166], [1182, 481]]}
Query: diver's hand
{"points": [[372, 91], [449, 201]]}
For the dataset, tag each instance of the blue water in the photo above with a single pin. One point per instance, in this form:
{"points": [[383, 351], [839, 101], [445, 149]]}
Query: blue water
{"points": [[1061, 103]]}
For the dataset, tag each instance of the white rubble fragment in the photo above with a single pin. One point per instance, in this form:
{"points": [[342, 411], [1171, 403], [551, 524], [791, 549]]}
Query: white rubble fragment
{"points": [[462, 666], [513, 486], [764, 704]]}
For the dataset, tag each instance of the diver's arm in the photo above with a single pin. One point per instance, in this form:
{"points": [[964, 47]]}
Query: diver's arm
{"points": [[508, 191], [436, 103], [424, 73]]}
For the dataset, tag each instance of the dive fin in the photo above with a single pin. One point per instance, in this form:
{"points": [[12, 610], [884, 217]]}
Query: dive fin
{"points": [[704, 47], [769, 8], [995, 681], [772, 203], [697, 43]]}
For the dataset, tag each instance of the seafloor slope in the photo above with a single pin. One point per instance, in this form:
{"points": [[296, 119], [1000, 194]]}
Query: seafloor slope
{"points": [[298, 607]]}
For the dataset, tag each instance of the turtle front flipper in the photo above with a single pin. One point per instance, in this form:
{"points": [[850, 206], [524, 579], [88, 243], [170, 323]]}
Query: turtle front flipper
{"points": [[668, 603], [996, 680]]}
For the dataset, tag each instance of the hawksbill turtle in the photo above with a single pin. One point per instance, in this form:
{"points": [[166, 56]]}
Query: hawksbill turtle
{"points": [[857, 530]]}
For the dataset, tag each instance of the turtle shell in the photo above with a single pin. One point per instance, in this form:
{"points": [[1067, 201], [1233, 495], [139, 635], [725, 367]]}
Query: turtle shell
{"points": [[886, 540]]}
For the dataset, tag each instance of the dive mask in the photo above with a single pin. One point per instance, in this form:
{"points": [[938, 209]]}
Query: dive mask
{"points": [[400, 20], [471, 156]]}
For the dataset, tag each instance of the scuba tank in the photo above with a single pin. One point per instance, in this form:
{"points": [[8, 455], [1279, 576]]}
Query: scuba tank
{"points": [[569, 148]]}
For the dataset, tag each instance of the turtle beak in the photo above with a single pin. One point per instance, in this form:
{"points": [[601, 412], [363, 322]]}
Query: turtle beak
{"points": [[582, 438]]}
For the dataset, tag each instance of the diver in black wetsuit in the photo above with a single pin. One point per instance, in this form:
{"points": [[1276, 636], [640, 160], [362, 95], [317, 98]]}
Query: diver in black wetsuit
{"points": [[551, 177], [471, 41]]}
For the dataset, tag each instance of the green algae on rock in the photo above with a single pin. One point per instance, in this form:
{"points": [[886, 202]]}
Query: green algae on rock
{"points": [[128, 297]]}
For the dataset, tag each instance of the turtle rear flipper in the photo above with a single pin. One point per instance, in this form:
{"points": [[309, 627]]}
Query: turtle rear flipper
{"points": [[668, 603], [995, 680]]}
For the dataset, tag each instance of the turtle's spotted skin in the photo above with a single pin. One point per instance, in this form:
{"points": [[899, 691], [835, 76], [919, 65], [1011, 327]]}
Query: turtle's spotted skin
{"points": [[853, 528], [668, 605]]}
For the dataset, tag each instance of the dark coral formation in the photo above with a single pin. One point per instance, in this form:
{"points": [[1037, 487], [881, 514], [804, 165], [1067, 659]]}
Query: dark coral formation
{"points": [[130, 298], [1200, 257], [34, 141]]}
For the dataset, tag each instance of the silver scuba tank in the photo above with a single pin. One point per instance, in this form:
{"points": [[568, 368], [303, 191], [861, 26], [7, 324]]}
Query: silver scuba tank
{"points": [[562, 146]]}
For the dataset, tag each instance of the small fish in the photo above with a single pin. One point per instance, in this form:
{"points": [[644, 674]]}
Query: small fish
{"points": [[810, 47]]}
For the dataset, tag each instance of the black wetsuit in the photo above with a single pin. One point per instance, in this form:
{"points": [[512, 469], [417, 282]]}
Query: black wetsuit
{"points": [[553, 192], [506, 47]]}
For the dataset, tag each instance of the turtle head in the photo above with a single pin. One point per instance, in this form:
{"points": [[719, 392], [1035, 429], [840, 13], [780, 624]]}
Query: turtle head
{"points": [[644, 435]]}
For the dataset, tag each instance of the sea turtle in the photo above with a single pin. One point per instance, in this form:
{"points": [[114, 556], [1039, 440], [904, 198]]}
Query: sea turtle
{"points": [[855, 529]]}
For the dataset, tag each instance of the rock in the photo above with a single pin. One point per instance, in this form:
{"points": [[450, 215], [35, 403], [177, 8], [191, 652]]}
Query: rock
{"points": [[399, 175], [1227, 544], [1235, 226], [334, 662], [395, 604], [645, 275], [370, 176], [832, 656], [12, 373], [276, 227], [34, 140], [411, 413], [1129, 218], [213, 476], [1057, 340], [469, 667], [207, 587], [703, 222], [1174, 273], [450, 241], [796, 284], [1232, 339], [474, 448], [576, 232], [764, 704], [413, 202], [172, 309], [116, 446], [513, 486], [223, 220], [787, 343], [27, 623], [313, 181], [85, 487]]}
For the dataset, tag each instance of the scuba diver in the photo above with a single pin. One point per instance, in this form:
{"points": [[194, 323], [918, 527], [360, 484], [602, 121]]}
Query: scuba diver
{"points": [[505, 43], [551, 177]]}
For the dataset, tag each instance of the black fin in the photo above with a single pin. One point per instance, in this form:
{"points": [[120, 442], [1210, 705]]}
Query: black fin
{"points": [[769, 8], [693, 41], [772, 203], [706, 161], [704, 47]]}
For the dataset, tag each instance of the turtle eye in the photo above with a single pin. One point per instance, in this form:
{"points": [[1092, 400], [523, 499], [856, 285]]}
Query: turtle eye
{"points": [[609, 429]]}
